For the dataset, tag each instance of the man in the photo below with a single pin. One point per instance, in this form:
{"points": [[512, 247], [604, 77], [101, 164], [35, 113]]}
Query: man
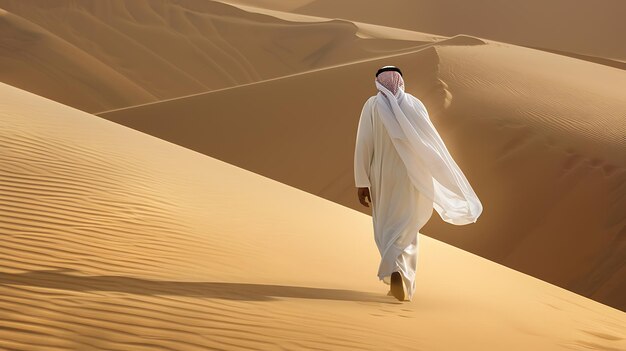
{"points": [[403, 169]]}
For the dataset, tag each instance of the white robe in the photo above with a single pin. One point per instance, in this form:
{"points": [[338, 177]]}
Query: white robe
{"points": [[399, 209]]}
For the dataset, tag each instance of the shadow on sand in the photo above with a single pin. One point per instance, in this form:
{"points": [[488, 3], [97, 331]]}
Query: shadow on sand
{"points": [[59, 279]]}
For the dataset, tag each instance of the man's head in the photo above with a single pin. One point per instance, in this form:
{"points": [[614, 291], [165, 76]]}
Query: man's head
{"points": [[391, 78], [388, 68]]}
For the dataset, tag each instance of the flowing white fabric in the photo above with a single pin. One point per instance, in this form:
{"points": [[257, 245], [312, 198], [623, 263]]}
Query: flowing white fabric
{"points": [[401, 158], [430, 166]]}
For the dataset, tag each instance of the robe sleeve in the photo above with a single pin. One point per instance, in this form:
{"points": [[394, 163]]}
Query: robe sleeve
{"points": [[364, 148]]}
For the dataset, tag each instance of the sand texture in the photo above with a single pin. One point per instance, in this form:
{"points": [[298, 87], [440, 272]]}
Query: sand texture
{"points": [[107, 246]]}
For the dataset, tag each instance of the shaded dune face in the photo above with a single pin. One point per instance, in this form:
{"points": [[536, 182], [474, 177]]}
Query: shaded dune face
{"points": [[102, 55], [114, 239], [546, 156], [555, 159]]}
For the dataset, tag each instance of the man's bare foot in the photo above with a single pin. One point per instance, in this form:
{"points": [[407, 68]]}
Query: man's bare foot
{"points": [[397, 290]]}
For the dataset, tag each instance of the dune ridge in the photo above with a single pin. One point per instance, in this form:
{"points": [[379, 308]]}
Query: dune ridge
{"points": [[280, 10], [114, 239], [568, 128], [585, 28], [149, 50], [365, 30]]}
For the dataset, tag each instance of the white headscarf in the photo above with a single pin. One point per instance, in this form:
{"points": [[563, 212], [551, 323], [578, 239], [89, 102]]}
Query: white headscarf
{"points": [[430, 166]]}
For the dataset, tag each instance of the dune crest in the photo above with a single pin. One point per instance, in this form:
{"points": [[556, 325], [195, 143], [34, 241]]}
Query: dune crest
{"points": [[148, 50], [587, 28]]}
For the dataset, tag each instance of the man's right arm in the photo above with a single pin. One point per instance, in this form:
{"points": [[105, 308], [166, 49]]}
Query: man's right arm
{"points": [[364, 148]]}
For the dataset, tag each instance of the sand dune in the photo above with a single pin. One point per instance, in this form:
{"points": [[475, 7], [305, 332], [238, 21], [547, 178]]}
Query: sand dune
{"points": [[546, 156], [113, 239], [364, 30], [102, 55], [35, 59], [506, 32], [583, 27]]}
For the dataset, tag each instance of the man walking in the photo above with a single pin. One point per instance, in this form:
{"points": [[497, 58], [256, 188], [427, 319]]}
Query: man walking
{"points": [[403, 169]]}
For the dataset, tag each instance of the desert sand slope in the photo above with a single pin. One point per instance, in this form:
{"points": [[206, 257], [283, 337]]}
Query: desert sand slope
{"points": [[108, 54], [35, 59], [540, 137], [551, 143], [113, 239], [594, 28]]}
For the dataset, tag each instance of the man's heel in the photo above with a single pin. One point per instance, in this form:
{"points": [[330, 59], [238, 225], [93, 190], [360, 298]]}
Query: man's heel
{"points": [[397, 289]]}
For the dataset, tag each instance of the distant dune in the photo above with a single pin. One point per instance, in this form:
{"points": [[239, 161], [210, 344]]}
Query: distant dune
{"points": [[33, 58], [540, 136], [103, 55], [594, 28], [113, 239]]}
